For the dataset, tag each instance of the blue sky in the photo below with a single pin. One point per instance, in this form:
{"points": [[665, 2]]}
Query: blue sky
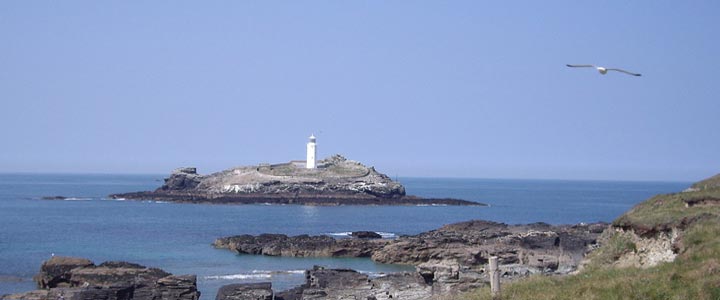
{"points": [[415, 88]]}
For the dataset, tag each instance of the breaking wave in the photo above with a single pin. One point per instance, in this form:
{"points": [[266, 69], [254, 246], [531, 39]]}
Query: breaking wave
{"points": [[255, 274], [238, 276]]}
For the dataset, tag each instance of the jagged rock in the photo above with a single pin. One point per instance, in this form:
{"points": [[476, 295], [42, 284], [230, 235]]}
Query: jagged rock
{"points": [[336, 181], [246, 291], [182, 179], [78, 278]]}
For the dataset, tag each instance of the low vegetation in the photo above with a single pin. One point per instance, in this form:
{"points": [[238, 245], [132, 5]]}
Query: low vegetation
{"points": [[694, 274]]}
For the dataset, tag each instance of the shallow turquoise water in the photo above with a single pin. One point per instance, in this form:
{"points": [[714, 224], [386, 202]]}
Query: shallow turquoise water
{"points": [[177, 237]]}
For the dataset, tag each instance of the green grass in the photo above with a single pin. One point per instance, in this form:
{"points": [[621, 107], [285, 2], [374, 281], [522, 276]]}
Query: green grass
{"points": [[665, 211], [712, 182]]}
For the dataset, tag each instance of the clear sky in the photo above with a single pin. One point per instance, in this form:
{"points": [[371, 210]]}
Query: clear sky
{"points": [[415, 88]]}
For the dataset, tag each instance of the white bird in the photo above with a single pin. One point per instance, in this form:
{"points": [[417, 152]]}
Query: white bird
{"points": [[604, 70]]}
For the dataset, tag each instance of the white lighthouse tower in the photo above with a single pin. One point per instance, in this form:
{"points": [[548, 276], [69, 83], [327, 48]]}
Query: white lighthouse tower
{"points": [[311, 152]]}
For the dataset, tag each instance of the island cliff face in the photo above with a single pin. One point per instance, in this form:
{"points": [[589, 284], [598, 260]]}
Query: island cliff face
{"points": [[335, 181]]}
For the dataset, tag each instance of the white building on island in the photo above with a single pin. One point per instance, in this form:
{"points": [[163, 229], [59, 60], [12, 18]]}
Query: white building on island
{"points": [[311, 153]]}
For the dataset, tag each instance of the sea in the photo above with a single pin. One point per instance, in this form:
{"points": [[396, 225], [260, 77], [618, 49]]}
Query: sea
{"points": [[178, 237]]}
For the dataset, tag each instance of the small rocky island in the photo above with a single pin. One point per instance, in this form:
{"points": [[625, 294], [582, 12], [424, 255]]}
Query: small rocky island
{"points": [[331, 181]]}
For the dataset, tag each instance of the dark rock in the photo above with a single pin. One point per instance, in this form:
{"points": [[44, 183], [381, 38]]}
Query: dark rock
{"points": [[299, 246], [181, 179], [366, 235], [78, 278], [246, 291]]}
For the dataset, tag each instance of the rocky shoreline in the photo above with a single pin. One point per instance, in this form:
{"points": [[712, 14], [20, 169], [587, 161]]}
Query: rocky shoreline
{"points": [[447, 260], [336, 181]]}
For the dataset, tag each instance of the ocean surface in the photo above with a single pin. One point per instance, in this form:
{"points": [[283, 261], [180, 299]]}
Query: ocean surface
{"points": [[177, 237]]}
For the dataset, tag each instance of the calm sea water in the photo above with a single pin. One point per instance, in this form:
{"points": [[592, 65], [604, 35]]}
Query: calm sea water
{"points": [[177, 237]]}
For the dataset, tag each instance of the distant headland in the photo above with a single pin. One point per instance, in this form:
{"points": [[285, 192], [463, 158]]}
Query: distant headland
{"points": [[331, 181]]}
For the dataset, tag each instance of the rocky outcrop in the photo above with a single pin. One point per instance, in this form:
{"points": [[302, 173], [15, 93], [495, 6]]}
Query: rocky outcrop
{"points": [[451, 258], [246, 291], [78, 278], [335, 181], [300, 246], [455, 256], [182, 179], [324, 283]]}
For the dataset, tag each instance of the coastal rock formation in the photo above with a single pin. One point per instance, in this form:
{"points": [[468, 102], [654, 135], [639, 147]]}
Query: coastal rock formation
{"points": [[451, 258], [335, 181], [79, 278], [324, 283], [300, 246]]}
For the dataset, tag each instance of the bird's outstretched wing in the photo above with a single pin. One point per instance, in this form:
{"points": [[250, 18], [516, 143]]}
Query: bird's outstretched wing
{"points": [[580, 66], [626, 72]]}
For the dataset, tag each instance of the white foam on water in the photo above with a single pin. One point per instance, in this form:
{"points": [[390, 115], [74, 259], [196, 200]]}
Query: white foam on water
{"points": [[278, 272], [347, 233], [255, 274], [77, 199], [387, 235], [373, 274], [238, 276]]}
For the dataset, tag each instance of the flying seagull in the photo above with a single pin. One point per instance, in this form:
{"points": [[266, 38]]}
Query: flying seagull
{"points": [[604, 70]]}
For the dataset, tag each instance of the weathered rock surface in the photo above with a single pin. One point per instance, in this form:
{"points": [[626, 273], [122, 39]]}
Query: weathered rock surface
{"points": [[246, 291], [450, 259], [324, 283], [335, 181], [455, 256], [78, 278]]}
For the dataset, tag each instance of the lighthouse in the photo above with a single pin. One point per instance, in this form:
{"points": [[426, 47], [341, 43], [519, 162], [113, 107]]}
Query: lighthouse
{"points": [[311, 152]]}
